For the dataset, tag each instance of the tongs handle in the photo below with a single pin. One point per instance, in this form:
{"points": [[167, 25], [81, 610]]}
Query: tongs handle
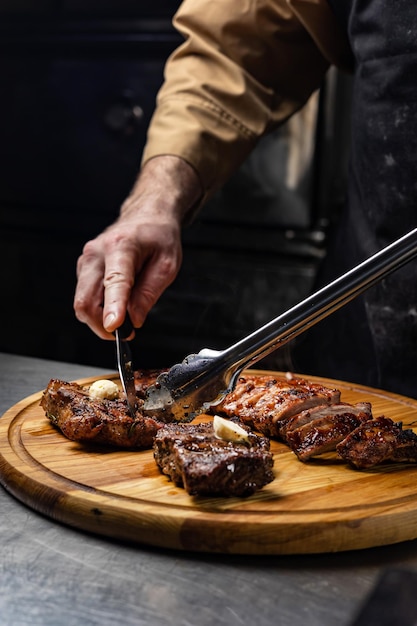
{"points": [[201, 379], [321, 304]]}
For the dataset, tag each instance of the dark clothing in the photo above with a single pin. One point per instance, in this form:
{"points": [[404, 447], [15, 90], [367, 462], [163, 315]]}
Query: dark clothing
{"points": [[374, 339], [243, 69]]}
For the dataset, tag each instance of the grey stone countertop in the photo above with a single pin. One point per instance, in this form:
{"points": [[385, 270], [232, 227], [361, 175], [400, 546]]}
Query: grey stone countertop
{"points": [[53, 575]]}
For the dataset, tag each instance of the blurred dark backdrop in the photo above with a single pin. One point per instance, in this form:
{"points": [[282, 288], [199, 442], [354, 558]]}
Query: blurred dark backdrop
{"points": [[79, 81]]}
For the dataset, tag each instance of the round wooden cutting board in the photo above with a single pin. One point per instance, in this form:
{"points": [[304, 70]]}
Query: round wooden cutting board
{"points": [[320, 506]]}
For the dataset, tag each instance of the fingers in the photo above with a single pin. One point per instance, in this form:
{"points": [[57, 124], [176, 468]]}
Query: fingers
{"points": [[137, 271], [125, 269], [89, 293], [106, 273], [155, 277], [130, 264], [121, 264]]}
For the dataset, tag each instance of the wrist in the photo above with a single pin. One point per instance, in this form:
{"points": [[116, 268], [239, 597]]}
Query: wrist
{"points": [[167, 185]]}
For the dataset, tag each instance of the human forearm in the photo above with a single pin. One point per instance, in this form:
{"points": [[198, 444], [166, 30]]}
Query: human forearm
{"points": [[166, 186], [132, 262], [239, 74]]}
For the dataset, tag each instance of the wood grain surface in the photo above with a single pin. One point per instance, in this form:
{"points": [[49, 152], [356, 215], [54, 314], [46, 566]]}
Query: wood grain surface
{"points": [[321, 506]]}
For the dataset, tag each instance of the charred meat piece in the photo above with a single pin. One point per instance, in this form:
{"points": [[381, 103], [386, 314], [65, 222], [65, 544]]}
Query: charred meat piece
{"points": [[102, 422], [296, 422], [319, 430], [265, 402], [305, 417], [377, 441], [194, 458]]}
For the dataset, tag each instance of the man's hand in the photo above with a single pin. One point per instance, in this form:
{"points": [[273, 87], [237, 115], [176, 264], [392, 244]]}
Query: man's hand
{"points": [[132, 262]]}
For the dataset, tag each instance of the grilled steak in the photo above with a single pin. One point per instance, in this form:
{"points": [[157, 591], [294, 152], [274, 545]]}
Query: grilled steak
{"points": [[194, 458], [266, 402], [377, 441], [319, 430], [107, 422]]}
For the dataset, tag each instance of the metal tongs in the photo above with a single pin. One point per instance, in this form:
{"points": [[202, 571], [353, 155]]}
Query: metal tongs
{"points": [[202, 379]]}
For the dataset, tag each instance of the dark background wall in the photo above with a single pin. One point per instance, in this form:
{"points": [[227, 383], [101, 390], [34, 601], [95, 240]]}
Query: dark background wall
{"points": [[78, 83]]}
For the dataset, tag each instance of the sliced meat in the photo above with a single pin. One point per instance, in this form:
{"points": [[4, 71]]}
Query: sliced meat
{"points": [[377, 441], [264, 402], [317, 412], [319, 430], [194, 458], [103, 422]]}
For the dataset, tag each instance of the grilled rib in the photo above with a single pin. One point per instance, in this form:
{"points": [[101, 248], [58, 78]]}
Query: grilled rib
{"points": [[319, 430], [377, 441], [266, 402]]}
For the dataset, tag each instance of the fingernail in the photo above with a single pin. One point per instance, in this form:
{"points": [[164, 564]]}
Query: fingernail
{"points": [[108, 320]]}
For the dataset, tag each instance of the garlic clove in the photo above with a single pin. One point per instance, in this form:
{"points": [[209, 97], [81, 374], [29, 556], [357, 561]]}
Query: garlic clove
{"points": [[103, 390], [229, 431]]}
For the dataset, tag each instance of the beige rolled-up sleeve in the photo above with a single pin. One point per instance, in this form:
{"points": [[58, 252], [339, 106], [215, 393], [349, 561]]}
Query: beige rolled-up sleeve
{"points": [[243, 69]]}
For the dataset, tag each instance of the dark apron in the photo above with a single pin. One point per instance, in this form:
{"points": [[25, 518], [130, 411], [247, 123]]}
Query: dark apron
{"points": [[373, 340]]}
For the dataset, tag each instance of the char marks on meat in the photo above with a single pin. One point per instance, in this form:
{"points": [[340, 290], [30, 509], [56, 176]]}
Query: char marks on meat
{"points": [[377, 441], [194, 458], [102, 422], [267, 402], [307, 416], [319, 430]]}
